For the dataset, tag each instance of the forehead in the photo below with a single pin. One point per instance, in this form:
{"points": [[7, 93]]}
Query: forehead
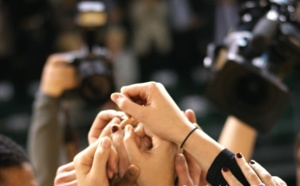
{"points": [[18, 175]]}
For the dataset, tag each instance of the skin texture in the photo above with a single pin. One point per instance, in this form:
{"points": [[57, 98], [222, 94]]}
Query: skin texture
{"points": [[23, 173]]}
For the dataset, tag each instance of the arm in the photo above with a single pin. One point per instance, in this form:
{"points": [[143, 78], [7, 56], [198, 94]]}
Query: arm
{"points": [[237, 136], [45, 133], [151, 104], [44, 137]]}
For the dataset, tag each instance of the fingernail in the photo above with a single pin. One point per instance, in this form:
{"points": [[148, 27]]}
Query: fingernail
{"points": [[239, 155], [252, 162], [115, 96], [114, 129], [106, 143], [224, 169]]}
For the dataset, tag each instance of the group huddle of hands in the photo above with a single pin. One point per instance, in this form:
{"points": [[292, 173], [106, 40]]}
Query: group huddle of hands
{"points": [[143, 150], [122, 152]]}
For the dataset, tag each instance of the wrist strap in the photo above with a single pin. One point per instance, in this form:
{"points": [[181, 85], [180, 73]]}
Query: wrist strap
{"points": [[188, 136]]}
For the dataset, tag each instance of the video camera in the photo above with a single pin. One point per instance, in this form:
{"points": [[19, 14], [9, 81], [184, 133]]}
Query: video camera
{"points": [[93, 62], [249, 67]]}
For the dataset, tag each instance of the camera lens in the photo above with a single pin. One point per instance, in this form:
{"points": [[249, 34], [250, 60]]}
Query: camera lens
{"points": [[97, 82], [252, 89]]}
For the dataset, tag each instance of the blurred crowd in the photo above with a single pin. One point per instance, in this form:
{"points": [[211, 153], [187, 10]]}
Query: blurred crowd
{"points": [[159, 34]]}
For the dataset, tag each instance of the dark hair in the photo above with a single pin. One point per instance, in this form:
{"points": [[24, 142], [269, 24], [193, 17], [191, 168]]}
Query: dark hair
{"points": [[11, 154]]}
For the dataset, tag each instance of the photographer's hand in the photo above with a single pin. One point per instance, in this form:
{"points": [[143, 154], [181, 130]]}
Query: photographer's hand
{"points": [[58, 76]]}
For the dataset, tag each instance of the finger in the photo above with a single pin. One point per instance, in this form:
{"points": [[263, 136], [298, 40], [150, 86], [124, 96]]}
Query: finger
{"points": [[65, 177], [112, 164], [130, 121], [229, 177], [117, 138], [194, 168], [146, 141], [101, 120], [84, 160], [107, 129], [130, 144], [101, 158], [182, 172], [130, 176], [65, 168], [249, 173], [278, 181], [127, 105], [72, 183], [263, 174], [189, 113]]}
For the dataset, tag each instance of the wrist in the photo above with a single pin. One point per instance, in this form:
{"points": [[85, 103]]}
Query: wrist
{"points": [[203, 148], [182, 132], [50, 92]]}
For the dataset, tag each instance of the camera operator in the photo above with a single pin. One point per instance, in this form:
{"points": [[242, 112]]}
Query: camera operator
{"points": [[46, 132], [74, 87]]}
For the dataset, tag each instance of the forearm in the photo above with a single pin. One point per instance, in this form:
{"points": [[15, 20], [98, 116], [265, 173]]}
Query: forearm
{"points": [[237, 136], [203, 148], [44, 138], [212, 157]]}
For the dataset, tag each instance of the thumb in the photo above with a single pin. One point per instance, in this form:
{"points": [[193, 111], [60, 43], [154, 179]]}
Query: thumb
{"points": [[127, 105]]}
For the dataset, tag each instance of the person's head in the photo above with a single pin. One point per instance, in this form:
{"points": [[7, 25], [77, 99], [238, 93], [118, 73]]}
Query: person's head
{"points": [[15, 168]]}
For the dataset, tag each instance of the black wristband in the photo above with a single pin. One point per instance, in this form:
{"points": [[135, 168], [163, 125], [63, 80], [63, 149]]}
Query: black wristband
{"points": [[188, 136], [224, 159]]}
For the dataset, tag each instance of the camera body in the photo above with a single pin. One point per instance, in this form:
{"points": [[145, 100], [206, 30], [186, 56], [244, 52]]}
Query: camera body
{"points": [[250, 65], [96, 74], [93, 63]]}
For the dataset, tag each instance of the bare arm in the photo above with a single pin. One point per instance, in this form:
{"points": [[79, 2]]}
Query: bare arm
{"points": [[237, 136]]}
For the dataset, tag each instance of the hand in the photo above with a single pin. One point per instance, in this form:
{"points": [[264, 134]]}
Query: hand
{"points": [[143, 142], [96, 164], [254, 173], [66, 175], [58, 76], [156, 164], [151, 104]]}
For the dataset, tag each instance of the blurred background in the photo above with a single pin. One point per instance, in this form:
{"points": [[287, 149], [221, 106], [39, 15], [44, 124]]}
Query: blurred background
{"points": [[172, 53]]}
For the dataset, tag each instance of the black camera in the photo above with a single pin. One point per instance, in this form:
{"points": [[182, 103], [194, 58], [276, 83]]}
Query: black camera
{"points": [[93, 62], [249, 67]]}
